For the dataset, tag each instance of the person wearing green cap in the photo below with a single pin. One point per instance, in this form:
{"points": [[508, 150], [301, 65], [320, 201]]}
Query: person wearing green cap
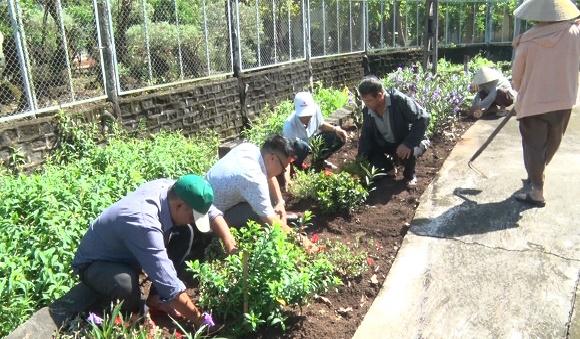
{"points": [[148, 230]]}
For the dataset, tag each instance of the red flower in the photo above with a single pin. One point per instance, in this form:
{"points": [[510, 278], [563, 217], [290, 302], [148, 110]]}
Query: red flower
{"points": [[327, 172], [315, 238], [178, 334], [370, 261], [379, 246], [321, 248], [118, 321], [304, 165]]}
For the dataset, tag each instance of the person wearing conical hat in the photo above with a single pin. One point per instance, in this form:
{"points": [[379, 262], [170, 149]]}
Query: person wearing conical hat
{"points": [[494, 93], [545, 75]]}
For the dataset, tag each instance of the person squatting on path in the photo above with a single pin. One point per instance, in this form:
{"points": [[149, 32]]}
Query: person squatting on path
{"points": [[148, 230], [493, 90], [545, 75], [306, 122], [245, 185], [394, 125]]}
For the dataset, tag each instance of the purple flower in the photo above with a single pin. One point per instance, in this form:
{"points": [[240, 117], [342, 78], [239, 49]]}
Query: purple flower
{"points": [[456, 109], [399, 69], [207, 319], [95, 319]]}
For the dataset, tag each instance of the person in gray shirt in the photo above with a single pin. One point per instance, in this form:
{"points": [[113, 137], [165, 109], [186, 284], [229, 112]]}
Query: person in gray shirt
{"points": [[148, 230], [394, 125]]}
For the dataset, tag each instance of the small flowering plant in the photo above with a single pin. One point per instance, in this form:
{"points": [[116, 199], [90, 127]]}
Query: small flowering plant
{"points": [[339, 192], [442, 94]]}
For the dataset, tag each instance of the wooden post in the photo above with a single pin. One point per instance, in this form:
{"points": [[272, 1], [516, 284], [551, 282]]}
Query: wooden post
{"points": [[245, 279]]}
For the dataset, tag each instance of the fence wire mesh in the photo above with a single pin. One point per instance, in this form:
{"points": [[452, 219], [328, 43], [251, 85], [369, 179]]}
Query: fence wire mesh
{"points": [[51, 52], [57, 49]]}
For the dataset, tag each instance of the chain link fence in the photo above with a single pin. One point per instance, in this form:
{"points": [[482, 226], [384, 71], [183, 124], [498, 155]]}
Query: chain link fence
{"points": [[52, 52]]}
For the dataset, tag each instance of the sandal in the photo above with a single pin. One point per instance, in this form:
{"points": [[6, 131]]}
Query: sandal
{"points": [[527, 198]]}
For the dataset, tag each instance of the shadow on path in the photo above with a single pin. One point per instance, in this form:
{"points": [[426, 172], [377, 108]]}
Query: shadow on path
{"points": [[471, 217]]}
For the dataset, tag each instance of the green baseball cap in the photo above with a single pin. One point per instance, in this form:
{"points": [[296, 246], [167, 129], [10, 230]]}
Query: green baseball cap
{"points": [[197, 194]]}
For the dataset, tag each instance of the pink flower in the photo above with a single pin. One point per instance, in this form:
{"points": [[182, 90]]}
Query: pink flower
{"points": [[370, 261], [327, 172], [315, 238], [304, 165], [379, 246]]}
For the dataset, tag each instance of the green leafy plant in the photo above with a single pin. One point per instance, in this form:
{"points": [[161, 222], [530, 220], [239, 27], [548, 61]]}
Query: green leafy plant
{"points": [[44, 215], [336, 192], [303, 185], [302, 223], [349, 262], [361, 168], [281, 275]]}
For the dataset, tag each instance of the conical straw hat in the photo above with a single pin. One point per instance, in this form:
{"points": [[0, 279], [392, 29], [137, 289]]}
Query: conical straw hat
{"points": [[547, 10], [486, 74]]}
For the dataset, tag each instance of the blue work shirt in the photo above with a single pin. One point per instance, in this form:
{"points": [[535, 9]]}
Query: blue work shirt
{"points": [[134, 230]]}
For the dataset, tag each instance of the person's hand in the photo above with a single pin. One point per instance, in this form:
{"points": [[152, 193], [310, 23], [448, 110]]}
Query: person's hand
{"points": [[341, 134], [403, 152], [280, 210]]}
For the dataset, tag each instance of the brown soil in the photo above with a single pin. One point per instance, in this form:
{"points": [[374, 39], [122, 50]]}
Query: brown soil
{"points": [[379, 227]]}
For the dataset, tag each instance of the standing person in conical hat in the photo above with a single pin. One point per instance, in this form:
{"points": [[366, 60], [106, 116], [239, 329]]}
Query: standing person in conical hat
{"points": [[545, 75], [494, 93]]}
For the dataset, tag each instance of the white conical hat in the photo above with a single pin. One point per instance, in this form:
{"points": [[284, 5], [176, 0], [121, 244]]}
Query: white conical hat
{"points": [[547, 10], [486, 74]]}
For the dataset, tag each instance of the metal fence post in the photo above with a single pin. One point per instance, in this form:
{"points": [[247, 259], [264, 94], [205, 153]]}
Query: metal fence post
{"points": [[146, 31], [181, 75], [65, 42], [109, 63], [488, 23], [323, 28], [101, 47], [350, 22], [20, 41], [110, 38], [206, 39], [275, 33], [258, 33], [289, 34], [382, 44]]}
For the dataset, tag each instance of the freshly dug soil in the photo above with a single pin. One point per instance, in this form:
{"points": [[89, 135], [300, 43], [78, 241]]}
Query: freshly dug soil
{"points": [[378, 227]]}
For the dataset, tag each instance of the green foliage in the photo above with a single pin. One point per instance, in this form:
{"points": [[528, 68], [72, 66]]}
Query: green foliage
{"points": [[44, 215], [349, 262], [361, 168], [339, 192], [271, 121], [114, 325], [330, 99], [303, 185], [442, 94], [281, 274]]}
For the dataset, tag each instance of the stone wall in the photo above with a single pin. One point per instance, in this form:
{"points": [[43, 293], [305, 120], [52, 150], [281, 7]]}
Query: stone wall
{"points": [[219, 104]]}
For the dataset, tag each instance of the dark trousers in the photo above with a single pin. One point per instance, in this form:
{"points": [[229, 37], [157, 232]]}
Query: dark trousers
{"points": [[378, 158], [502, 98], [541, 137], [120, 281], [332, 143]]}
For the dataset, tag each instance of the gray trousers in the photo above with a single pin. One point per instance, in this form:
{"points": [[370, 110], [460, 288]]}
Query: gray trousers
{"points": [[541, 137], [120, 281]]}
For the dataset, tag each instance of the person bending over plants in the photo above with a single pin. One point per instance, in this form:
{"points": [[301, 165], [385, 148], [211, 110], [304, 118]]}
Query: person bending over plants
{"points": [[494, 90], [245, 185], [306, 122], [149, 230], [394, 125]]}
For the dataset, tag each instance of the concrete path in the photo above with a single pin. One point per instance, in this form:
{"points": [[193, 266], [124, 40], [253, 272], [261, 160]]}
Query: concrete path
{"points": [[478, 264]]}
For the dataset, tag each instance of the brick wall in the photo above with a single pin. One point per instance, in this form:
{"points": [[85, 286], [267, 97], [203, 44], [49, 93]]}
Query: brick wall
{"points": [[215, 104]]}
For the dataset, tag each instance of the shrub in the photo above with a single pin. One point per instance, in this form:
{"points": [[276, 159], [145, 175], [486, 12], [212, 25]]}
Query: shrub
{"points": [[281, 274], [337, 192]]}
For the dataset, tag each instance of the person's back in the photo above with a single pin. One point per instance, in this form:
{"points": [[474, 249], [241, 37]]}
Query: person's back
{"points": [[545, 68], [238, 177]]}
